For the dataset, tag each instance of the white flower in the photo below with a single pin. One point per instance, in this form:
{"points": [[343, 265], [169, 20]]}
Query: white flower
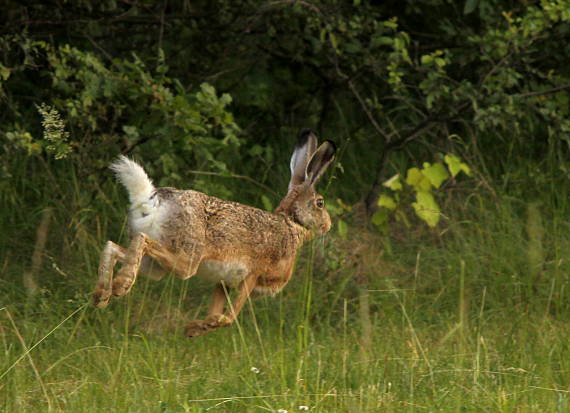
{"points": [[305, 408], [282, 411], [254, 370]]}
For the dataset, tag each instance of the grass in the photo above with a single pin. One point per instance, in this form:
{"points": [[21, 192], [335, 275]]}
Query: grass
{"points": [[100, 362], [459, 322]]}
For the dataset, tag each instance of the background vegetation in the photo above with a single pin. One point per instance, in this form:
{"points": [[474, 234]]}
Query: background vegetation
{"points": [[443, 285]]}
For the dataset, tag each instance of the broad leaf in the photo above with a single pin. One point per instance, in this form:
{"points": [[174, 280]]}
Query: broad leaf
{"points": [[455, 165], [436, 173], [394, 183], [387, 201], [418, 180], [380, 219], [426, 208]]}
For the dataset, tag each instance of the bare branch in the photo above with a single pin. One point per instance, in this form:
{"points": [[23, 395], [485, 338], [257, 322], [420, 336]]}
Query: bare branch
{"points": [[235, 176], [544, 92]]}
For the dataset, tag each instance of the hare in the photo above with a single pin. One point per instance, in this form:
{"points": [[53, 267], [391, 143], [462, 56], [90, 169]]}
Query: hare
{"points": [[191, 234]]}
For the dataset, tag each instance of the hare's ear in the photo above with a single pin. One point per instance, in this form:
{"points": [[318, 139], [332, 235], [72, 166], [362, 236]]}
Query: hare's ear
{"points": [[319, 162], [304, 148]]}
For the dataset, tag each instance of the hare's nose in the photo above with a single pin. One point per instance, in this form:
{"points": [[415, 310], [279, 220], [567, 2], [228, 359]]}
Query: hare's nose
{"points": [[325, 228]]}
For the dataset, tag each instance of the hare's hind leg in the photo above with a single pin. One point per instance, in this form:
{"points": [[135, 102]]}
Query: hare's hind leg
{"points": [[182, 265], [216, 318], [218, 300], [109, 257]]}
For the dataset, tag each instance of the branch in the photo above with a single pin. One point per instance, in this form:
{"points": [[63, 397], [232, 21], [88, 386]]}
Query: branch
{"points": [[543, 92], [361, 101], [371, 199], [367, 111], [244, 177], [370, 202]]}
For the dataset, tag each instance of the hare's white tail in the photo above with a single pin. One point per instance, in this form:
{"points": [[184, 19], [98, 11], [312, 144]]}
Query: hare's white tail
{"points": [[134, 178]]}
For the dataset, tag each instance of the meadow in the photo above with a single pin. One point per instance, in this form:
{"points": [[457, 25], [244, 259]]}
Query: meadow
{"points": [[443, 291], [470, 319]]}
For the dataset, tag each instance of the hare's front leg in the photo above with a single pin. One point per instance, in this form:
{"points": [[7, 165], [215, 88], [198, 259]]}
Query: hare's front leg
{"points": [[216, 318], [182, 264], [109, 257]]}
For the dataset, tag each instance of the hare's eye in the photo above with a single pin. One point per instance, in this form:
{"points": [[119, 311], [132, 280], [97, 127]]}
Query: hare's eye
{"points": [[320, 202]]}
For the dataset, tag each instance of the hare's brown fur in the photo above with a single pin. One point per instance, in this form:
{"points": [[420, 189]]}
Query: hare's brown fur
{"points": [[193, 234]]}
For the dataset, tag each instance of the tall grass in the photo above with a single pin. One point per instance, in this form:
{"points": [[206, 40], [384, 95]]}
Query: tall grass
{"points": [[471, 319]]}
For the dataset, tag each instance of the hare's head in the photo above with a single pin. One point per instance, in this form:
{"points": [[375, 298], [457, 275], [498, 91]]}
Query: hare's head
{"points": [[302, 202]]}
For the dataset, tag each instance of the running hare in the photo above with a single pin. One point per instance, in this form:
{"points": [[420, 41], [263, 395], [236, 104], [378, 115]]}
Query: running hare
{"points": [[193, 234]]}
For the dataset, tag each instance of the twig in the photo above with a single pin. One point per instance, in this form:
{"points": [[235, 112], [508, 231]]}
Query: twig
{"points": [[543, 92], [361, 101], [367, 111], [305, 4], [244, 177], [136, 4], [395, 145], [96, 45], [372, 196], [161, 30]]}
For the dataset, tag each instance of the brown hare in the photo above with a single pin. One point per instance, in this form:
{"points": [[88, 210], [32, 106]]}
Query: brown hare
{"points": [[190, 234]]}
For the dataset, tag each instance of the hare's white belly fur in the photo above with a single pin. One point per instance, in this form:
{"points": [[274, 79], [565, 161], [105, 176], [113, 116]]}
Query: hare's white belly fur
{"points": [[231, 272]]}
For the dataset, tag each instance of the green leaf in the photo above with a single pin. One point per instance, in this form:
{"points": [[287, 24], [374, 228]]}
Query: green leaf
{"points": [[426, 59], [436, 173], [4, 72], [455, 165], [256, 150], [131, 131], [333, 40], [399, 44], [392, 23], [380, 219], [387, 201], [394, 183], [418, 180], [342, 228], [208, 89], [426, 208], [267, 205], [382, 41], [440, 62]]}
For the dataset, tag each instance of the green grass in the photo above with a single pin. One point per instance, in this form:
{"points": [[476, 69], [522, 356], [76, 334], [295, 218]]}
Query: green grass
{"points": [[98, 362], [459, 323]]}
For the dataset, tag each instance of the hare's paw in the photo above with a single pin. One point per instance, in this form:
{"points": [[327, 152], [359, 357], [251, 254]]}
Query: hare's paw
{"points": [[197, 328], [101, 297], [217, 320]]}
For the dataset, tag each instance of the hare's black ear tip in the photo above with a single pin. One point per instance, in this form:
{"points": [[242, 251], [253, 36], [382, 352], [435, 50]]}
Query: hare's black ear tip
{"points": [[305, 136], [332, 145], [306, 132]]}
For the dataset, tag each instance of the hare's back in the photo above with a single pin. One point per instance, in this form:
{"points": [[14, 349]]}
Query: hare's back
{"points": [[248, 230]]}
